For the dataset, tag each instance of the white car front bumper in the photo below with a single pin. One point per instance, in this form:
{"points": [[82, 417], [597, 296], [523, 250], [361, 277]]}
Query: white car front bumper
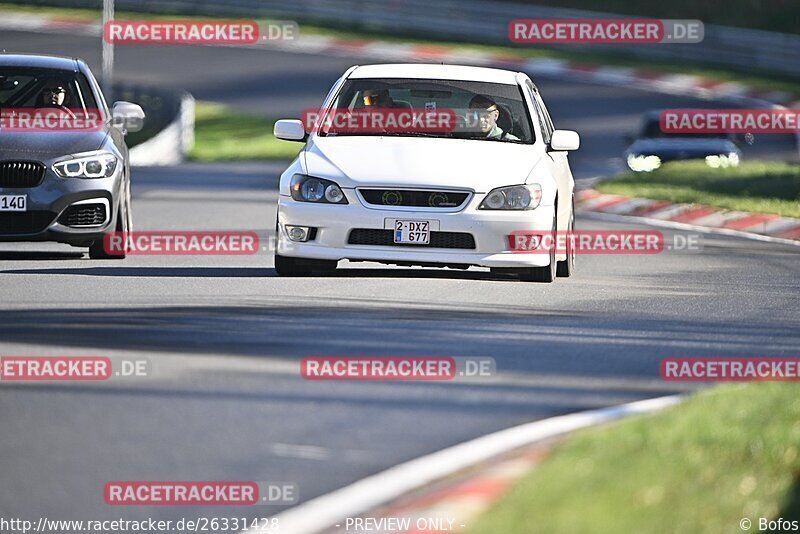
{"points": [[335, 223]]}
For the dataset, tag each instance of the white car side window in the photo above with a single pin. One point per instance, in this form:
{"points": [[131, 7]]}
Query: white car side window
{"points": [[545, 114], [544, 125]]}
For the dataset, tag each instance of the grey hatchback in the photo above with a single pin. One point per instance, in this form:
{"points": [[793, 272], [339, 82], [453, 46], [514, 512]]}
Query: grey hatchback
{"points": [[64, 164]]}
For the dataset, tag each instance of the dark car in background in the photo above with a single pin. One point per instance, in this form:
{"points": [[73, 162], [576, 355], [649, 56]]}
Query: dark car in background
{"points": [[64, 164], [651, 147]]}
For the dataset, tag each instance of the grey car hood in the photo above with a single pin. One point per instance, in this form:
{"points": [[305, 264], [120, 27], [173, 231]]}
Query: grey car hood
{"points": [[48, 145]]}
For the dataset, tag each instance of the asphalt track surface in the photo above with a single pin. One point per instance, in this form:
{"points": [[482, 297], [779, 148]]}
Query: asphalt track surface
{"points": [[224, 335]]}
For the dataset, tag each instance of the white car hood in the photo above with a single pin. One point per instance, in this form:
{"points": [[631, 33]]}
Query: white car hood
{"points": [[355, 161]]}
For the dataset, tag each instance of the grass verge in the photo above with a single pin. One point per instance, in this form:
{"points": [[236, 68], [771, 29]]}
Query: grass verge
{"points": [[224, 134], [754, 186], [725, 454]]}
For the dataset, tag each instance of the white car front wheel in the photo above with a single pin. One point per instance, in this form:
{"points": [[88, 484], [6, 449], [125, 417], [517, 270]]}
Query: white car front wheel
{"points": [[546, 274], [566, 268], [288, 266]]}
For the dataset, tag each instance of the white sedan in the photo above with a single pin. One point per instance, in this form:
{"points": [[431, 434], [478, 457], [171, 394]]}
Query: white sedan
{"points": [[453, 165]]}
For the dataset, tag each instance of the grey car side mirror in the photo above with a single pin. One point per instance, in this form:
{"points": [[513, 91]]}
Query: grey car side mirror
{"points": [[127, 116]]}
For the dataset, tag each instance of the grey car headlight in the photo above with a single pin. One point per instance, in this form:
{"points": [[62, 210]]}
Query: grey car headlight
{"points": [[96, 166], [310, 189], [515, 197], [643, 162], [723, 161]]}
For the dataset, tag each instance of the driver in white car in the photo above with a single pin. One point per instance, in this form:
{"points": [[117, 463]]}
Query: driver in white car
{"points": [[487, 114]]}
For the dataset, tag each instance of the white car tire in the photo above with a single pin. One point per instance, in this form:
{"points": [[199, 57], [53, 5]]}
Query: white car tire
{"points": [[546, 274], [566, 268]]}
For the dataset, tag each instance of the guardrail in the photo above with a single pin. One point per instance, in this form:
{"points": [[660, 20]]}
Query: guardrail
{"points": [[172, 144], [168, 133], [483, 22]]}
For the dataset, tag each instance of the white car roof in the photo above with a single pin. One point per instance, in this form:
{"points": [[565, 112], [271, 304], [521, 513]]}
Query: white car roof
{"points": [[436, 72]]}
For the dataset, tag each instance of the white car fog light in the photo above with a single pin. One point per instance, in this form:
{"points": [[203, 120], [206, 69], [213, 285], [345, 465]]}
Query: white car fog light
{"points": [[297, 233], [524, 242]]}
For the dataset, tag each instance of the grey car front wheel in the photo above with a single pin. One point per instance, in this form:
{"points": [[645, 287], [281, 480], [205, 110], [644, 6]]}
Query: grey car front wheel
{"points": [[97, 249]]}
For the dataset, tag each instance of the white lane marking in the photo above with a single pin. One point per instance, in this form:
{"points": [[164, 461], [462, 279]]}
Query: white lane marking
{"points": [[313, 452], [306, 452], [323, 512], [619, 75]]}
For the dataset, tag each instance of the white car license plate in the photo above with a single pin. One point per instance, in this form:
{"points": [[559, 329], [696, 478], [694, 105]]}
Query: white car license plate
{"points": [[412, 231], [13, 202]]}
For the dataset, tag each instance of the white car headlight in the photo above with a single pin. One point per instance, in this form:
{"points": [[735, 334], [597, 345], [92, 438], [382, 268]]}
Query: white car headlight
{"points": [[97, 166], [515, 197], [310, 189]]}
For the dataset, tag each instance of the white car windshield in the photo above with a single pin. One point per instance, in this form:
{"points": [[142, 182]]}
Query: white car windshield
{"points": [[429, 108]]}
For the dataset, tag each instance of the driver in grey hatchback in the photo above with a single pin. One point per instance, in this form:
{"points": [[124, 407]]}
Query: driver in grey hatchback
{"points": [[54, 95]]}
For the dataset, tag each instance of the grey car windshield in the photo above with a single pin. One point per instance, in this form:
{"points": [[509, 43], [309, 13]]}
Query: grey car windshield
{"points": [[22, 87], [474, 110]]}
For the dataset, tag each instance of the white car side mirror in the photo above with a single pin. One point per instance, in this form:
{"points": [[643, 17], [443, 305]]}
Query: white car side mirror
{"points": [[289, 130], [127, 116], [565, 140]]}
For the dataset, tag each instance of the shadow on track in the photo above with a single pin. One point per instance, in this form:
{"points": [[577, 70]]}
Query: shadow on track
{"points": [[521, 340], [155, 272], [257, 272], [21, 255]]}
